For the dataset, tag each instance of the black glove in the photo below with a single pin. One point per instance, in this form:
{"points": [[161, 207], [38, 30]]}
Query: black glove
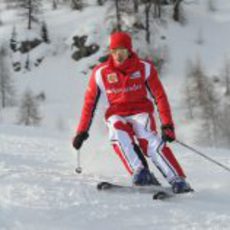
{"points": [[168, 133], [79, 139]]}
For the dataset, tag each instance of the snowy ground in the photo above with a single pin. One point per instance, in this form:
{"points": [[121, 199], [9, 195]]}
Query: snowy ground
{"points": [[38, 186], [39, 190]]}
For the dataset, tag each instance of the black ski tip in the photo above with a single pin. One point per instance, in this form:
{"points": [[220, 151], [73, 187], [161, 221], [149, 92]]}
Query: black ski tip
{"points": [[103, 185], [160, 195]]}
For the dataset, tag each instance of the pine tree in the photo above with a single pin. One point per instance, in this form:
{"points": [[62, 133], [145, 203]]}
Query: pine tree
{"points": [[157, 8], [202, 97], [7, 92], [148, 6], [0, 18], [76, 4], [224, 126], [189, 98], [211, 5], [178, 11], [44, 33], [31, 10], [136, 6], [118, 15], [29, 114], [227, 76], [101, 2], [13, 40], [27, 63], [54, 4]]}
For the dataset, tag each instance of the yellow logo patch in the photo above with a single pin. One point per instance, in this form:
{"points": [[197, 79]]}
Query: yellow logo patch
{"points": [[112, 78]]}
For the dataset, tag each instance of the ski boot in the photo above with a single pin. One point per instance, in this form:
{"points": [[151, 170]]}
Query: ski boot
{"points": [[145, 177], [179, 185]]}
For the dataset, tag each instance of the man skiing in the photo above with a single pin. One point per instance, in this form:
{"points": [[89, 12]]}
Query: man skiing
{"points": [[128, 84]]}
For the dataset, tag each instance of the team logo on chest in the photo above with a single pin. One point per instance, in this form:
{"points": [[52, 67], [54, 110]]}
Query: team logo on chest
{"points": [[135, 75], [112, 78]]}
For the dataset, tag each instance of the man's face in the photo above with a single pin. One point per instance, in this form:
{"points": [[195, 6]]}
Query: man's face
{"points": [[119, 55]]}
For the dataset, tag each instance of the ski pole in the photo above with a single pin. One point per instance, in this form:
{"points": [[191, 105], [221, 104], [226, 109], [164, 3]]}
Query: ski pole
{"points": [[79, 168], [203, 155]]}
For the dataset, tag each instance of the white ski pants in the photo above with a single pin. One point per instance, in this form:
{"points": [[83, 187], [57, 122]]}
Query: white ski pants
{"points": [[124, 132]]}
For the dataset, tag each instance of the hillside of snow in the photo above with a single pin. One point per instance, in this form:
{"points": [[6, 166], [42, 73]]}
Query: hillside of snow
{"points": [[39, 187], [40, 190]]}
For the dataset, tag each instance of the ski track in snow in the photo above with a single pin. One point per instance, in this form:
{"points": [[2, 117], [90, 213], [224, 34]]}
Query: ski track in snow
{"points": [[39, 190]]}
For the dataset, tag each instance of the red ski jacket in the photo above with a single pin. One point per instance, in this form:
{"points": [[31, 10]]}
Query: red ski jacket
{"points": [[127, 90]]}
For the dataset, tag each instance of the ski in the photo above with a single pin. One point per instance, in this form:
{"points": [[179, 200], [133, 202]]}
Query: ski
{"points": [[158, 192]]}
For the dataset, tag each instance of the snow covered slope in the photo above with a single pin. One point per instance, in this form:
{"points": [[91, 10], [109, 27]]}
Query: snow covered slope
{"points": [[39, 189]]}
